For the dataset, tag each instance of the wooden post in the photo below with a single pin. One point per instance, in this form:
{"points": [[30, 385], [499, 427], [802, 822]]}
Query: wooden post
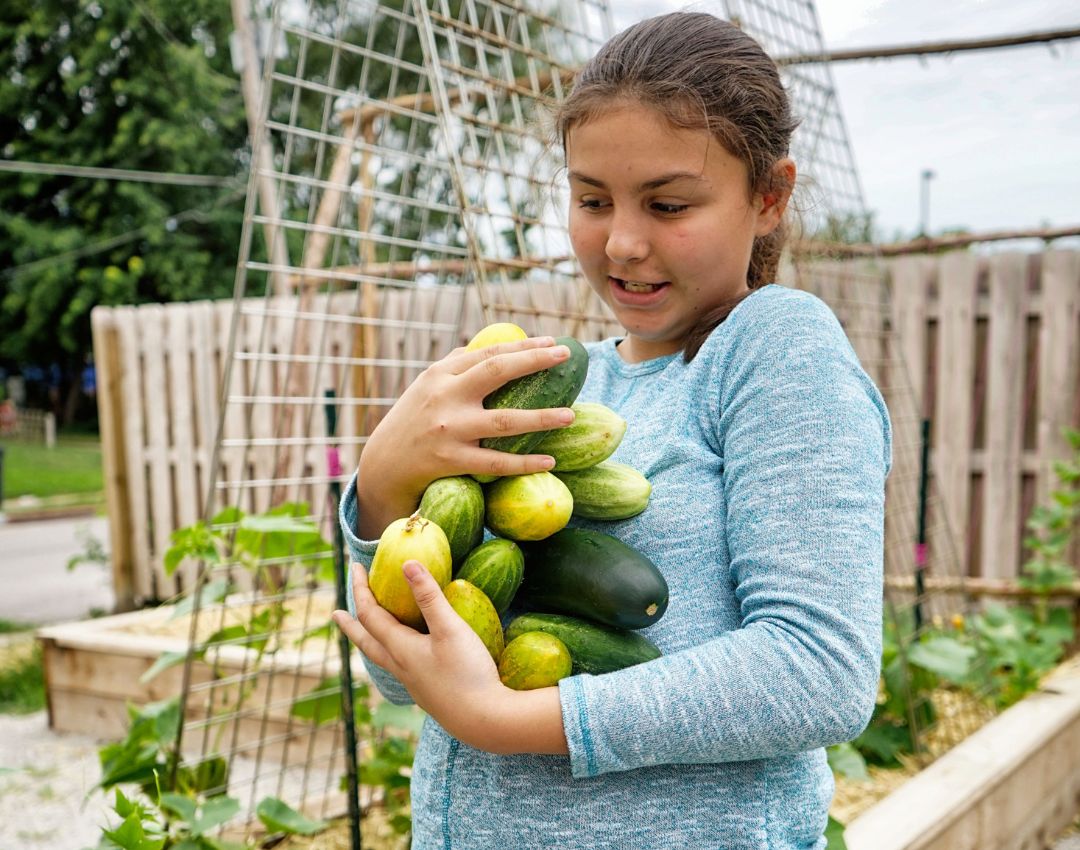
{"points": [[110, 399]]}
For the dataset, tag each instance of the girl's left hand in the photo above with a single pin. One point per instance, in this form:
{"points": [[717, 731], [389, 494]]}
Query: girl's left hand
{"points": [[448, 671]]}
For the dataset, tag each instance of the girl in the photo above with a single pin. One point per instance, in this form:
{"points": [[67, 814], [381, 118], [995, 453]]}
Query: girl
{"points": [[767, 447]]}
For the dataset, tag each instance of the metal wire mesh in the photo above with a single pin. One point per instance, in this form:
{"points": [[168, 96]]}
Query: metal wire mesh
{"points": [[830, 190], [410, 196]]}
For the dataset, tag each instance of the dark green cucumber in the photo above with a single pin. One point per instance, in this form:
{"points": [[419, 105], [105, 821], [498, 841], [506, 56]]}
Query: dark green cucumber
{"points": [[496, 567], [555, 387], [590, 574], [593, 648], [456, 505]]}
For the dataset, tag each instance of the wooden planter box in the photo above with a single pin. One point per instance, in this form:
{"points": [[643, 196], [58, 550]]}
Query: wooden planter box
{"points": [[1012, 785], [93, 670]]}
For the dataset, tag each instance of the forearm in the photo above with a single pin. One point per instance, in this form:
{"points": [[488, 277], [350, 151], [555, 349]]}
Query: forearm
{"points": [[521, 722], [378, 506], [750, 694]]}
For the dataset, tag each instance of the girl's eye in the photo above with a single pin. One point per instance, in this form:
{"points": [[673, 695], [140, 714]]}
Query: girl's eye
{"points": [[590, 204], [670, 209]]}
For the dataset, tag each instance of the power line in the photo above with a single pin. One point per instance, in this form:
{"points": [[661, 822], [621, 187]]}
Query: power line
{"points": [[931, 47], [25, 167], [122, 239]]}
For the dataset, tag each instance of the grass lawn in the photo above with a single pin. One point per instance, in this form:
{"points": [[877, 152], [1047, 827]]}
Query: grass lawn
{"points": [[73, 465], [22, 681]]}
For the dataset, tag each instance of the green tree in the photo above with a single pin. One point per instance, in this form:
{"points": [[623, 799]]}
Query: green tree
{"points": [[137, 84]]}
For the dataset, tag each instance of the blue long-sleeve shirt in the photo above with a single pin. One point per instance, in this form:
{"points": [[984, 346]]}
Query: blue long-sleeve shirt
{"points": [[767, 454]]}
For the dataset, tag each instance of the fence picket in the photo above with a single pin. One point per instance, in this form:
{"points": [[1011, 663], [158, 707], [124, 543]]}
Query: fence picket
{"points": [[953, 419], [1004, 433], [178, 338], [1059, 362], [135, 446], [156, 402]]}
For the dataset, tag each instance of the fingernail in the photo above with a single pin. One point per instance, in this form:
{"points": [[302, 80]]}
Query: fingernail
{"points": [[560, 352], [548, 463], [566, 416], [412, 570]]}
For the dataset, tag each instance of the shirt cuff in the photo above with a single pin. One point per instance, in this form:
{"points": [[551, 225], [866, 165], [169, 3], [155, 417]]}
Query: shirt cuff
{"points": [[575, 717], [360, 551]]}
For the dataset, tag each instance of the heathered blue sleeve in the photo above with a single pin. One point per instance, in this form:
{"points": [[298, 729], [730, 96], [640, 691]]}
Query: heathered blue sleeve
{"points": [[805, 442], [361, 552]]}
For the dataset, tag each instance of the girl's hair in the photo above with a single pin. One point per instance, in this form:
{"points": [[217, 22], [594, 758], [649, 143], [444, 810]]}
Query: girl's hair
{"points": [[700, 73]]}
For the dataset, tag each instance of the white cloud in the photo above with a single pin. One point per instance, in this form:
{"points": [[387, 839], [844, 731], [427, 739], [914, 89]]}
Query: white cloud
{"points": [[1001, 129]]}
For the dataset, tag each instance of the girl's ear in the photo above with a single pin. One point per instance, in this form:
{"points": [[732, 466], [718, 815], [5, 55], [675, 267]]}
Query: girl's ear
{"points": [[772, 202]]}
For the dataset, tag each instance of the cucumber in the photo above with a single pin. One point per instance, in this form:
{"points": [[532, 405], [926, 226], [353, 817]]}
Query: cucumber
{"points": [[608, 490], [590, 574], [405, 539], [555, 387], [474, 607], [591, 438], [534, 660], [593, 648], [494, 334], [527, 507], [496, 567], [456, 505]]}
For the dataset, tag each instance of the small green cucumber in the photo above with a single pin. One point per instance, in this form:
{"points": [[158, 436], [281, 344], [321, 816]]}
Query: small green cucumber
{"points": [[527, 507], [591, 438], [497, 568], [608, 490], [594, 648], [534, 660], [456, 505]]}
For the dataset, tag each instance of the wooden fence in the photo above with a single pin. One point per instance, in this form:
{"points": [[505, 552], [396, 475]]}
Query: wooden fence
{"points": [[986, 347]]}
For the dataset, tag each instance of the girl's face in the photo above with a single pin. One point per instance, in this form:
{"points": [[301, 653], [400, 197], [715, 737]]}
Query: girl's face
{"points": [[662, 222]]}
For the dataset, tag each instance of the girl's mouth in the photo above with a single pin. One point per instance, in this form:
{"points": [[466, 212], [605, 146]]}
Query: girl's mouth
{"points": [[638, 287]]}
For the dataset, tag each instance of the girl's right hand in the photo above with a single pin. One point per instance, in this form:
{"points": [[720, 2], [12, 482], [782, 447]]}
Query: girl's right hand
{"points": [[435, 427]]}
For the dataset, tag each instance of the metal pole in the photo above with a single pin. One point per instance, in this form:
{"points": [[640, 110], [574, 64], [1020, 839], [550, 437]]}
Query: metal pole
{"points": [[3, 517], [345, 648], [924, 202], [920, 540]]}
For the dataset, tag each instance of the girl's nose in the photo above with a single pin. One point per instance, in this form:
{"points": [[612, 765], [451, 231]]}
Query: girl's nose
{"points": [[626, 242]]}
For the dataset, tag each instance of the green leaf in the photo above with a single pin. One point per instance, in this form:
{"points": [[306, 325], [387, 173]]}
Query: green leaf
{"points": [[179, 806], [209, 594], [882, 742], [130, 835], [834, 834], [845, 760], [277, 816], [320, 705], [285, 524], [214, 812], [945, 656], [167, 659], [407, 718], [325, 632], [227, 516]]}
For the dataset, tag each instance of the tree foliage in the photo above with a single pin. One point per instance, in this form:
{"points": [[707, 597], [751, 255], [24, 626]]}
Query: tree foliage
{"points": [[138, 84]]}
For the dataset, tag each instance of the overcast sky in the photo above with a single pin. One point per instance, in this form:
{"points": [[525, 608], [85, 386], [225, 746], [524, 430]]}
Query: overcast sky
{"points": [[1000, 129]]}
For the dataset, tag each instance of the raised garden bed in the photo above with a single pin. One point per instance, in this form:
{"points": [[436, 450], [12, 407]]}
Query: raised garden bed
{"points": [[1012, 785], [93, 670]]}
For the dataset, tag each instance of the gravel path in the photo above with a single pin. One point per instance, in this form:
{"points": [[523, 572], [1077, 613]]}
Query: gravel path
{"points": [[45, 780]]}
